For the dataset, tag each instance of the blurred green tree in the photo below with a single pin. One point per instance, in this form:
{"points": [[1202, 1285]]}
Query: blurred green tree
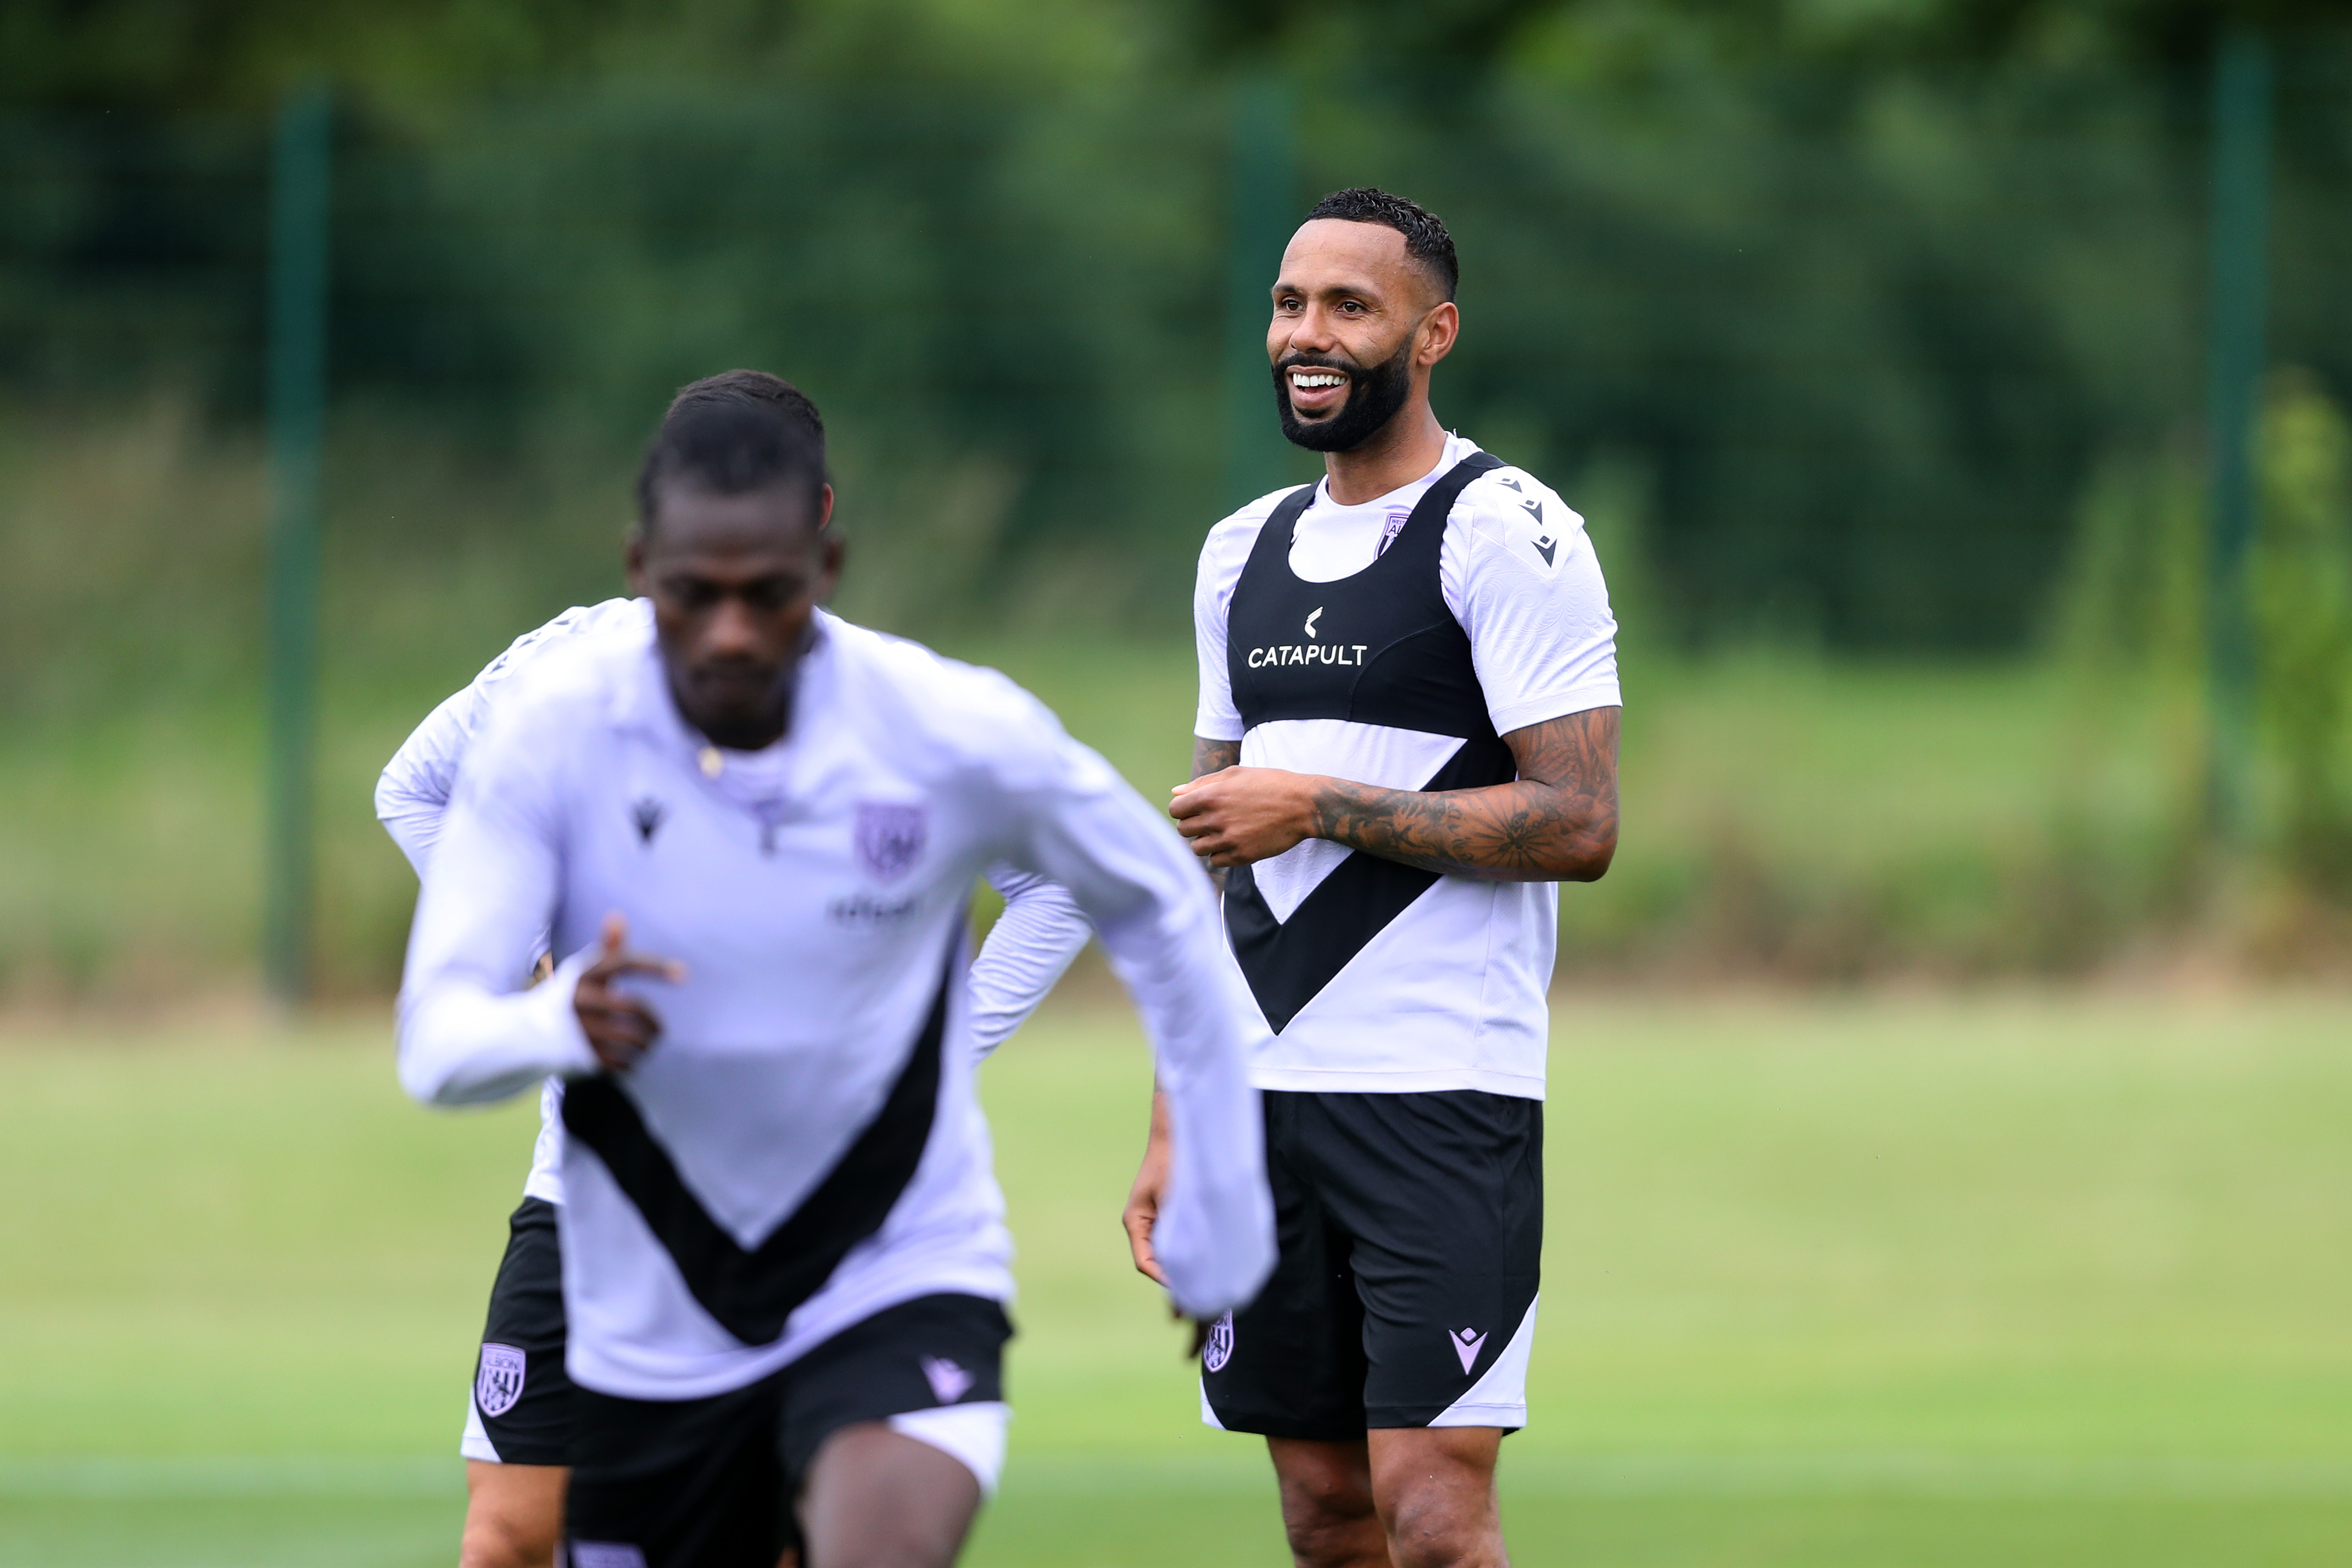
{"points": [[2302, 613]]}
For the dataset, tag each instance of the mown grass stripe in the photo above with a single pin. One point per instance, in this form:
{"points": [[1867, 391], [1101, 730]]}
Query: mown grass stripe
{"points": [[195, 1477], [1724, 1475]]}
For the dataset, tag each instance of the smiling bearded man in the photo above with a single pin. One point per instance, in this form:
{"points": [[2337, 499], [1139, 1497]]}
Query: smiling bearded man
{"points": [[1407, 734]]}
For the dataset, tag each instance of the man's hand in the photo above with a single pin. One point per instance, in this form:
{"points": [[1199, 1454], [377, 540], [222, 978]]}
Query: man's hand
{"points": [[1556, 822], [619, 1027], [1143, 1198], [1241, 815], [1143, 1212]]}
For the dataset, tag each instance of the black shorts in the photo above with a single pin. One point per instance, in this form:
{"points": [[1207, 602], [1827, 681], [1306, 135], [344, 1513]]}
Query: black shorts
{"points": [[522, 1398], [1411, 1231], [710, 1483]]}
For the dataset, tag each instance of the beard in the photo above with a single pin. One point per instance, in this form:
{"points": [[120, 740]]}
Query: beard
{"points": [[1374, 395]]}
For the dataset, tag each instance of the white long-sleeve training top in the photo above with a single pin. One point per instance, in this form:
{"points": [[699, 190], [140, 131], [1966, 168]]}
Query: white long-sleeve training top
{"points": [[1041, 932], [811, 1098]]}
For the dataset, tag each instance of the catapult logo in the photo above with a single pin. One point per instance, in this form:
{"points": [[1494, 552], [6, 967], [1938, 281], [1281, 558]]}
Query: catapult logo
{"points": [[1315, 650]]}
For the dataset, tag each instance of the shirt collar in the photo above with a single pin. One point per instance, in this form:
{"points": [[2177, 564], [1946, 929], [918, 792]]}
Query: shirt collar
{"points": [[1457, 447]]}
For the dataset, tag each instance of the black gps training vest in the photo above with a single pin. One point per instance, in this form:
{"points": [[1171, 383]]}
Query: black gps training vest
{"points": [[1381, 648]]}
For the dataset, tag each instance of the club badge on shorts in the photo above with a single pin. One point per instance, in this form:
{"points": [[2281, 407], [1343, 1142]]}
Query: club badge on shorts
{"points": [[889, 838], [1219, 1347], [499, 1383]]}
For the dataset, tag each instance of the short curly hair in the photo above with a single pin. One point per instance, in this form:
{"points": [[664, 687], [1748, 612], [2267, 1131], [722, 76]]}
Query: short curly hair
{"points": [[1425, 239]]}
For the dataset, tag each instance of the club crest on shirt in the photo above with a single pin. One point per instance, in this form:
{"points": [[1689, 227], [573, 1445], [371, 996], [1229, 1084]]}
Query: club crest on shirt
{"points": [[1218, 1348], [889, 838], [499, 1383]]}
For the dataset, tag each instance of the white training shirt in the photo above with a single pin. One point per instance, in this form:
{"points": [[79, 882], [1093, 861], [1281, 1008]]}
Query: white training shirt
{"points": [[412, 797], [1450, 995], [812, 967]]}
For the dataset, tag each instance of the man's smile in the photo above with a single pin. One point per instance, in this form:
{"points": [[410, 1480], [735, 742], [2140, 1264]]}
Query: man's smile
{"points": [[1315, 390]]}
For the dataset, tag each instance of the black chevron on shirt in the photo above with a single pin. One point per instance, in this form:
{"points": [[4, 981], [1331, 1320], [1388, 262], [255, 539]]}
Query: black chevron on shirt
{"points": [[752, 1291], [1288, 962]]}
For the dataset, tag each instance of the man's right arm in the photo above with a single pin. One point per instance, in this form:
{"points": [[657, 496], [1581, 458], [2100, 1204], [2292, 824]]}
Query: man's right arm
{"points": [[1157, 919], [1220, 567], [1032, 945], [1142, 1214], [411, 795], [470, 1033]]}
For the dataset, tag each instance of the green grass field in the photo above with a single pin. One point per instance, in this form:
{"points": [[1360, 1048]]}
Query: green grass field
{"points": [[2025, 1280]]}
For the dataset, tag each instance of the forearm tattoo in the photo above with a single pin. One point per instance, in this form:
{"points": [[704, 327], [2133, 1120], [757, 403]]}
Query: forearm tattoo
{"points": [[1557, 823], [1215, 756]]}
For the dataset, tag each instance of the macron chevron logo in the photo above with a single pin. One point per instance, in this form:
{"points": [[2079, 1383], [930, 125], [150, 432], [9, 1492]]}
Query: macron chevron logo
{"points": [[949, 1381], [1466, 1345]]}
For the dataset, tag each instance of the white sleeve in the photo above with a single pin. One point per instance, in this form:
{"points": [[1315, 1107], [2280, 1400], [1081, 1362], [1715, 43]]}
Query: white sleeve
{"points": [[1216, 718], [414, 789], [413, 793], [470, 1032], [1030, 947], [1529, 591], [1083, 827]]}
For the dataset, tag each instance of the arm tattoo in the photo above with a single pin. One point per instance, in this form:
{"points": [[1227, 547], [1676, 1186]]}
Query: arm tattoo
{"points": [[1557, 823], [1215, 756]]}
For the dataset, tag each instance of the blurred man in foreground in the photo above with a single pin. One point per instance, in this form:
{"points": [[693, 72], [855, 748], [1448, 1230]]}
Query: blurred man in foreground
{"points": [[784, 1259], [518, 1430]]}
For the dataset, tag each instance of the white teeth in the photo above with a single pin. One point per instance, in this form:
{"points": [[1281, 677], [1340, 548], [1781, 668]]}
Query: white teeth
{"points": [[1309, 382]]}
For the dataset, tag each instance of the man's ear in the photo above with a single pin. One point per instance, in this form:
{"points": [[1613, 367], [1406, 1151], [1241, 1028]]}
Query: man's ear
{"points": [[633, 559], [824, 506], [836, 552], [1439, 329]]}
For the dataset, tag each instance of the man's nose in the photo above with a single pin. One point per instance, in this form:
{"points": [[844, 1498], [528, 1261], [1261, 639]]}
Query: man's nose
{"points": [[732, 632], [1311, 332]]}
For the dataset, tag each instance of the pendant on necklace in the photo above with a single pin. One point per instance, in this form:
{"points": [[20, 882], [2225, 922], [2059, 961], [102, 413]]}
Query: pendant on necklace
{"points": [[711, 762]]}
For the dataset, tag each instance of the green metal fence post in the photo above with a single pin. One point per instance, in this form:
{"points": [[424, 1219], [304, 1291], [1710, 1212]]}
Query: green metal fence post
{"points": [[296, 390], [1264, 212], [2234, 363]]}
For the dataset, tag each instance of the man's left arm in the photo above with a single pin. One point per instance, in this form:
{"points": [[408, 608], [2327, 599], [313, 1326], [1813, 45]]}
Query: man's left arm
{"points": [[1519, 573], [1556, 822]]}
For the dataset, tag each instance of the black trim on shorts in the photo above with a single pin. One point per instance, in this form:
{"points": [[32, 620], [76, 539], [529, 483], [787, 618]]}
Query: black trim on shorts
{"points": [[713, 1482], [526, 1314], [752, 1291], [1401, 1220]]}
